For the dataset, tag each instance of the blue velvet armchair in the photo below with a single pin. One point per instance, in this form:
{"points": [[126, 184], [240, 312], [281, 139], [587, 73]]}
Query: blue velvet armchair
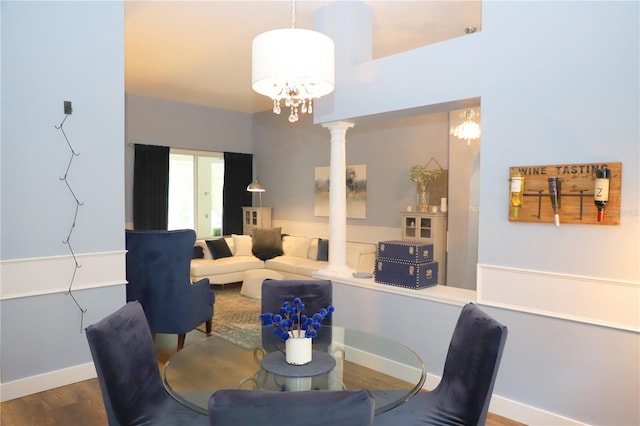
{"points": [[158, 264]]}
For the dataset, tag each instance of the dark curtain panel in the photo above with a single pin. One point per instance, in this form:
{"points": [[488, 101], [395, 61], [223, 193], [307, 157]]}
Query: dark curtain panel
{"points": [[238, 171], [151, 187]]}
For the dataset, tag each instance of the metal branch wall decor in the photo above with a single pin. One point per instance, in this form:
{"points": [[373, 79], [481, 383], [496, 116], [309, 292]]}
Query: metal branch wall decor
{"points": [[67, 112]]}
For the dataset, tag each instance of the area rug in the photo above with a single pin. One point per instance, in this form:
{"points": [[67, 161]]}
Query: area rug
{"points": [[236, 318]]}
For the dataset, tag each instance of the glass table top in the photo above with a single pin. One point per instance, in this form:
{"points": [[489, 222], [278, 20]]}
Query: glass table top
{"points": [[392, 372]]}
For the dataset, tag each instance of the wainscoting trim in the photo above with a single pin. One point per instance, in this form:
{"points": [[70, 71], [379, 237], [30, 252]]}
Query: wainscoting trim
{"points": [[608, 303], [40, 276]]}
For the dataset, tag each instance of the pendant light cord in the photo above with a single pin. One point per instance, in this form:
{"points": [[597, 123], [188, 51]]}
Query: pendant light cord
{"points": [[293, 13]]}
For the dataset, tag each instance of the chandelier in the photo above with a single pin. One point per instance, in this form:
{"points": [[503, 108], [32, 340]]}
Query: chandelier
{"points": [[469, 129], [294, 65]]}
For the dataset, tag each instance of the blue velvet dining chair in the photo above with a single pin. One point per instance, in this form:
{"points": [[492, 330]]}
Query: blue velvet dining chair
{"points": [[462, 397], [158, 272], [125, 359], [315, 294], [241, 407]]}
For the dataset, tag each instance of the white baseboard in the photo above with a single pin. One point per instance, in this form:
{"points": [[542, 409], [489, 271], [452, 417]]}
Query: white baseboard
{"points": [[527, 414], [46, 381]]}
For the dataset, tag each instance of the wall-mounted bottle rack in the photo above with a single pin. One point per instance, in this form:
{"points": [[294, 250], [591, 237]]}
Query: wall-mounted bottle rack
{"points": [[530, 198]]}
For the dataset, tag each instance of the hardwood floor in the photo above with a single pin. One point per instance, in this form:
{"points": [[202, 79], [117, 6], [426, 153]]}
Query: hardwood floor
{"points": [[81, 403]]}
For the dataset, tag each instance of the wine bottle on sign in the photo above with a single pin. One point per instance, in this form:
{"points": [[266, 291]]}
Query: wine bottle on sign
{"points": [[554, 193], [517, 188], [601, 191]]}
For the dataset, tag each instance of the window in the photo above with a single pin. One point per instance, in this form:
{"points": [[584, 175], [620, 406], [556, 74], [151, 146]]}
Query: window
{"points": [[195, 191]]}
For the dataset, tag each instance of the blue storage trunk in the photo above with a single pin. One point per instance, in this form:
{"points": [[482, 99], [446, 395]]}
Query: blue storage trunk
{"points": [[408, 251], [406, 274]]}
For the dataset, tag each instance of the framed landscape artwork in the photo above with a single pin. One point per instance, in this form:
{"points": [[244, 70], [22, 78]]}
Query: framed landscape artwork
{"points": [[356, 188]]}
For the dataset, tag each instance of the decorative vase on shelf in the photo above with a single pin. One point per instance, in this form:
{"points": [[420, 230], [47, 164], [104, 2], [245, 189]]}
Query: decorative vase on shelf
{"points": [[298, 348], [423, 198]]}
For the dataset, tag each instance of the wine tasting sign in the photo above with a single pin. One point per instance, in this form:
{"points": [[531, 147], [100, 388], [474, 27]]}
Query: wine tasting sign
{"points": [[587, 194]]}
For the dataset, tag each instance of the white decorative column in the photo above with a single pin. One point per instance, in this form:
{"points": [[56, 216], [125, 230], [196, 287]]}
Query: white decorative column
{"points": [[338, 199]]}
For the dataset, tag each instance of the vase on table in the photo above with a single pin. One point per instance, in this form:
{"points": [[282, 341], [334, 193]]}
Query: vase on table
{"points": [[423, 198], [298, 348]]}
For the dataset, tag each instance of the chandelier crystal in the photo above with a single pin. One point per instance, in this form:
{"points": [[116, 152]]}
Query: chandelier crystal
{"points": [[293, 65], [469, 129]]}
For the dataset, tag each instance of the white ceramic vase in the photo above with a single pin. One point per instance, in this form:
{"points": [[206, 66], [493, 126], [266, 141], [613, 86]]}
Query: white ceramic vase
{"points": [[298, 349]]}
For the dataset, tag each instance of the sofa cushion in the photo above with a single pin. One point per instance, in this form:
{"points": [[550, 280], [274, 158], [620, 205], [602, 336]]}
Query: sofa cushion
{"points": [[267, 243], [323, 250], [361, 256], [205, 248], [226, 265], [294, 265], [242, 245], [296, 246], [219, 248]]}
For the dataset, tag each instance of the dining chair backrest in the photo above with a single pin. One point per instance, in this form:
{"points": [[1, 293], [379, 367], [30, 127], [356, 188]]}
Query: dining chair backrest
{"points": [[127, 367], [471, 365], [462, 397], [315, 294], [241, 407]]}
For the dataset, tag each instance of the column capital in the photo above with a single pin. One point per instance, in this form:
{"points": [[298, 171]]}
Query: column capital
{"points": [[344, 125]]}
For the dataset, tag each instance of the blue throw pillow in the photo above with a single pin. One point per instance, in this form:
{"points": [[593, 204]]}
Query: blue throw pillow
{"points": [[219, 248], [198, 253], [323, 250]]}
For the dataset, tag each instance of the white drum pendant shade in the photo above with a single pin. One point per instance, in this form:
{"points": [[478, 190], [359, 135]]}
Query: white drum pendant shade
{"points": [[293, 63]]}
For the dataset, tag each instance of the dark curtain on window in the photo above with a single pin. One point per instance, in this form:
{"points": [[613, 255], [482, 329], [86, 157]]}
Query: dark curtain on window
{"points": [[238, 171], [151, 187]]}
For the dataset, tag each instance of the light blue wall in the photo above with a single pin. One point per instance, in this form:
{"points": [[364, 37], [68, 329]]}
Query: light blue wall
{"points": [[54, 52], [558, 83], [287, 155], [167, 123], [583, 372]]}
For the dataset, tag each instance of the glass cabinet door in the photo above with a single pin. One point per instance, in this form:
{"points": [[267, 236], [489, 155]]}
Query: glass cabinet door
{"points": [[425, 227], [410, 227]]}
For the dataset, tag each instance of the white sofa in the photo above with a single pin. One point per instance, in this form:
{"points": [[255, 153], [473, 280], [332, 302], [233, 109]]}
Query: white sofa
{"points": [[297, 262]]}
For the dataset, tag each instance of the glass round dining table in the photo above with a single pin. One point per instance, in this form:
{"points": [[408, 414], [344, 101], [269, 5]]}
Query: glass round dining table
{"points": [[252, 358]]}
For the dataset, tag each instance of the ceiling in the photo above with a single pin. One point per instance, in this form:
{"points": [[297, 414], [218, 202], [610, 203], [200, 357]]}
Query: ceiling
{"points": [[199, 52]]}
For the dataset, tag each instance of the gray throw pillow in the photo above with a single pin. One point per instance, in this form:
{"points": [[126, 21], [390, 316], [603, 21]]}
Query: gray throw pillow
{"points": [[267, 243]]}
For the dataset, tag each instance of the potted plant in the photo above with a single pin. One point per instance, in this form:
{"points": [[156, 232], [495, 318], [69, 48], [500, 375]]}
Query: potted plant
{"points": [[296, 329], [424, 179]]}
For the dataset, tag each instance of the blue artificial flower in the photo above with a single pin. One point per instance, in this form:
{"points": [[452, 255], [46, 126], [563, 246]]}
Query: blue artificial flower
{"points": [[291, 318]]}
